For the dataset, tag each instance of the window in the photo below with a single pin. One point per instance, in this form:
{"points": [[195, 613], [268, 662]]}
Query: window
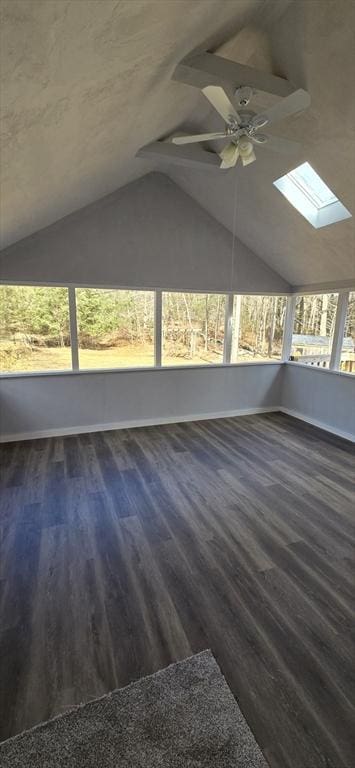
{"points": [[115, 328], [258, 323], [347, 362], [192, 328], [34, 329], [313, 329], [308, 193]]}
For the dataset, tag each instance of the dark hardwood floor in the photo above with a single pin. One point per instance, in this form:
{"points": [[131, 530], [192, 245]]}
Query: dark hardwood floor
{"points": [[124, 551]]}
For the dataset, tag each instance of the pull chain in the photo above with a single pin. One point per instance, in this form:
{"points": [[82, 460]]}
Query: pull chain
{"points": [[234, 232]]}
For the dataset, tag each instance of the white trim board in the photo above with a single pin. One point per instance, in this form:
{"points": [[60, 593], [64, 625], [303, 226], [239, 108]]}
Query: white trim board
{"points": [[173, 420], [146, 288], [315, 423], [332, 287], [80, 430]]}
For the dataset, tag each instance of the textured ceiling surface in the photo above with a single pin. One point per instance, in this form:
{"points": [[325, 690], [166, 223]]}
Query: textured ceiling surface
{"points": [[313, 45], [85, 83]]}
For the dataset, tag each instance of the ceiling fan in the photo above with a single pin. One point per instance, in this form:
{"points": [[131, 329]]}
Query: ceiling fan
{"points": [[242, 128]]}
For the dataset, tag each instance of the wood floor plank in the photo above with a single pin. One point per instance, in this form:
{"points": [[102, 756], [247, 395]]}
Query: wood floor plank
{"points": [[121, 552]]}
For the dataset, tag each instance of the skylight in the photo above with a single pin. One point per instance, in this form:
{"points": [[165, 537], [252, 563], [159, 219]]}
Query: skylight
{"points": [[309, 194]]}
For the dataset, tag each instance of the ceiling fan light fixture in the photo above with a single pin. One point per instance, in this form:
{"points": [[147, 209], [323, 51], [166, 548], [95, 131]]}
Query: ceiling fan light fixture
{"points": [[249, 158], [229, 156], [245, 145], [246, 150]]}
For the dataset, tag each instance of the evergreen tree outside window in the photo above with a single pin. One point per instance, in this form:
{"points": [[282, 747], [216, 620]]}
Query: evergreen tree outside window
{"points": [[115, 328], [34, 329]]}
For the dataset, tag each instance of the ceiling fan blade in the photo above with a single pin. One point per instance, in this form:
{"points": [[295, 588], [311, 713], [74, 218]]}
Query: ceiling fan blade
{"points": [[229, 156], [217, 96], [279, 144], [296, 102], [198, 137]]}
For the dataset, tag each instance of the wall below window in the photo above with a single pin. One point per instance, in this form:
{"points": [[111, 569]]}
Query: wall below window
{"points": [[322, 397], [57, 404], [40, 405]]}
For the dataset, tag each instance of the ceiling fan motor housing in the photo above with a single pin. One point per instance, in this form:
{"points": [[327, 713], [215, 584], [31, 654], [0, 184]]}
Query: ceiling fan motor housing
{"points": [[243, 95]]}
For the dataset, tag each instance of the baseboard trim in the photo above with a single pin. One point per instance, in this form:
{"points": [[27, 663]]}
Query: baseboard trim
{"points": [[80, 430], [320, 424]]}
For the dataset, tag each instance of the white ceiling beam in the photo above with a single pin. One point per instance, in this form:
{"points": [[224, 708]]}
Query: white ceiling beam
{"points": [[192, 156], [208, 69]]}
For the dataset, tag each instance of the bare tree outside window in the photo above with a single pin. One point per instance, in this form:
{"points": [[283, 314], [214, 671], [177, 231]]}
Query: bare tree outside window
{"points": [[313, 329], [347, 362], [193, 328], [258, 326]]}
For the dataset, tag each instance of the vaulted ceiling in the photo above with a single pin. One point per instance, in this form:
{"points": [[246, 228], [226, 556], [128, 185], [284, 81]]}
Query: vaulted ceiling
{"points": [[85, 84]]}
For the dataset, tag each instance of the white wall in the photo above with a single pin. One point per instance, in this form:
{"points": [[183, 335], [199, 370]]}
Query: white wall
{"points": [[147, 234], [322, 397], [56, 404], [69, 403]]}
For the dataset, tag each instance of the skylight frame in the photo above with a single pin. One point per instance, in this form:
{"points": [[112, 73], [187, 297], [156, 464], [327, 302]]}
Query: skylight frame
{"points": [[307, 201]]}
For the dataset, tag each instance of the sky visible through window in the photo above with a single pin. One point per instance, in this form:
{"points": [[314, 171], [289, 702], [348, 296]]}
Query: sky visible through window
{"points": [[312, 185], [311, 197]]}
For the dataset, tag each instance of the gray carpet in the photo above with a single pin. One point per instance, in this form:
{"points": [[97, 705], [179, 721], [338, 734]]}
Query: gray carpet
{"points": [[182, 717]]}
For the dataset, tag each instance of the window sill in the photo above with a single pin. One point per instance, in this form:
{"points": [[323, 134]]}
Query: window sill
{"points": [[211, 366], [320, 370], [86, 371]]}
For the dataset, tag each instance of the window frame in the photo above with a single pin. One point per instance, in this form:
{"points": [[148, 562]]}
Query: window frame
{"points": [[304, 201], [338, 335], [343, 298], [155, 364], [236, 337], [224, 360], [72, 322]]}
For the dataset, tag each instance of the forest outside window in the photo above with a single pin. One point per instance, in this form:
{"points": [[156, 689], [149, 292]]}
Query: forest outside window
{"points": [[313, 329], [193, 328], [347, 360], [34, 329], [115, 328], [258, 326]]}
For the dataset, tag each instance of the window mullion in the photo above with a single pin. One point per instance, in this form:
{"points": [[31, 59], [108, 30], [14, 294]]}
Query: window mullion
{"points": [[157, 328], [73, 328], [228, 328], [339, 328], [288, 328]]}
